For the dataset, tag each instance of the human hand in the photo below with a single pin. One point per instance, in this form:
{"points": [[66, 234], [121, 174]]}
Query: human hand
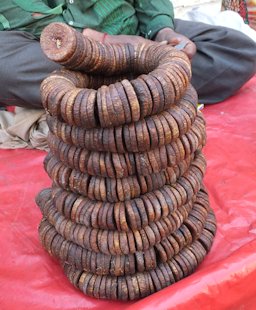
{"points": [[173, 38], [114, 39]]}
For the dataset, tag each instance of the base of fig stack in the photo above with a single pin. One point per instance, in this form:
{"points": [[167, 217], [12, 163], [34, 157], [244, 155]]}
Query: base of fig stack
{"points": [[95, 273]]}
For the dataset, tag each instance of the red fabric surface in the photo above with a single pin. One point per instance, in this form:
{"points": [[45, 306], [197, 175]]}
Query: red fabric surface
{"points": [[31, 279]]}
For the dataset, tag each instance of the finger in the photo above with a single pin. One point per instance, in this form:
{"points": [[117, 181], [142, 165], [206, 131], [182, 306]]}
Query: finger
{"points": [[174, 41], [94, 34], [190, 50], [163, 42]]}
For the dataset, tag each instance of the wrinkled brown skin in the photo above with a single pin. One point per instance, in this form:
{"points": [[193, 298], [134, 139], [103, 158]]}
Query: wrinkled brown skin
{"points": [[115, 39], [174, 38], [164, 36]]}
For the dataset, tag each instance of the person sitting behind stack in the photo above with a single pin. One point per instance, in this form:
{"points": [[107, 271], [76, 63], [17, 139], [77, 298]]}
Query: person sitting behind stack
{"points": [[222, 59]]}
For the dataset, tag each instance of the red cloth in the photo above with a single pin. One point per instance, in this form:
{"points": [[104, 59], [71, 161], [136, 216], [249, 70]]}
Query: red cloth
{"points": [[31, 279]]}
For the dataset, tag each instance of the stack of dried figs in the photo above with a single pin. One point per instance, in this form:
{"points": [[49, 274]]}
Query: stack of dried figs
{"points": [[127, 213]]}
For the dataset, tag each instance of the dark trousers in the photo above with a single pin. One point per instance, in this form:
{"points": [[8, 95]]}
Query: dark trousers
{"points": [[224, 61]]}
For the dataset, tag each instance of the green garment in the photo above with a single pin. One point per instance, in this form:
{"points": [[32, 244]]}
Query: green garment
{"points": [[134, 17]]}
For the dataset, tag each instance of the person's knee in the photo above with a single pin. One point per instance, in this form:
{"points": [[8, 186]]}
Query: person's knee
{"points": [[246, 55], [250, 53], [223, 63], [22, 68]]}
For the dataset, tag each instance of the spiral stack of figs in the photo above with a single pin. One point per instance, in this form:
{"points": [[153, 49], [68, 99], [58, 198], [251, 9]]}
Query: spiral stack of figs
{"points": [[127, 213]]}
